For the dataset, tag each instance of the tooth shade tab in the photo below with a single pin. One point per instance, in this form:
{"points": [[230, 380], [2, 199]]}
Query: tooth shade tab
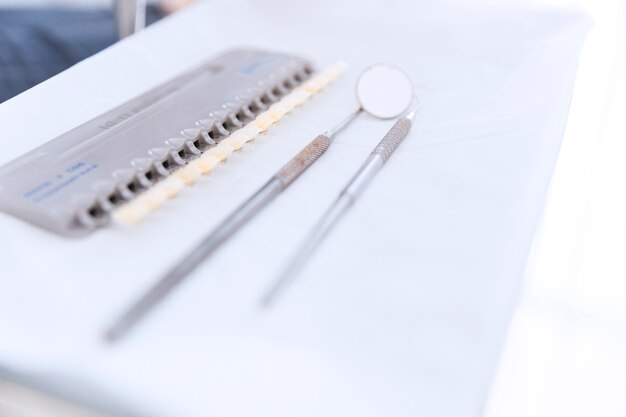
{"points": [[136, 209]]}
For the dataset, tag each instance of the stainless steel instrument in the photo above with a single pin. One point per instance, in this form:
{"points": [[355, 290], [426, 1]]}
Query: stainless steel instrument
{"points": [[346, 198], [277, 184], [383, 90]]}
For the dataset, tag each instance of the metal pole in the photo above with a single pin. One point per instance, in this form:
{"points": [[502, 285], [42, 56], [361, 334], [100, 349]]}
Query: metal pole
{"points": [[130, 16]]}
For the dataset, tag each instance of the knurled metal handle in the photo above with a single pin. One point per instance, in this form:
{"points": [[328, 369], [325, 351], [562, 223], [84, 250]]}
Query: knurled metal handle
{"points": [[393, 138], [299, 163]]}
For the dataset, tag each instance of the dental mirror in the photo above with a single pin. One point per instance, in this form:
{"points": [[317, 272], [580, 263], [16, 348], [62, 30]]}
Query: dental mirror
{"points": [[384, 91]]}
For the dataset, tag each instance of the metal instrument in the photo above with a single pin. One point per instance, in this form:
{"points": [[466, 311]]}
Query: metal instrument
{"points": [[383, 90], [346, 199]]}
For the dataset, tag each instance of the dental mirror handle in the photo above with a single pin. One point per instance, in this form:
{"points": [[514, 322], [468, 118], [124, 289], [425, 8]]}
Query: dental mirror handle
{"points": [[347, 197], [279, 182]]}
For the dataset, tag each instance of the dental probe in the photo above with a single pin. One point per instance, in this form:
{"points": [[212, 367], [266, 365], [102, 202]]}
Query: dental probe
{"points": [[344, 201]]}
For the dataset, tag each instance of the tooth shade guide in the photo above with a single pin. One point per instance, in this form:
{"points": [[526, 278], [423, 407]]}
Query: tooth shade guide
{"points": [[168, 188]]}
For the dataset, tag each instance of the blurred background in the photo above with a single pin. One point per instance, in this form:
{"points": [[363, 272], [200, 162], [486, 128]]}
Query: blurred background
{"points": [[566, 349], [39, 39]]}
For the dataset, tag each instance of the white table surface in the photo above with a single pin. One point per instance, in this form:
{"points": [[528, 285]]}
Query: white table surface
{"points": [[403, 310], [566, 347]]}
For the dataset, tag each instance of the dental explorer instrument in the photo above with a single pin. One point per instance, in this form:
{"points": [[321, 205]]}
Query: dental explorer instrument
{"points": [[344, 201]]}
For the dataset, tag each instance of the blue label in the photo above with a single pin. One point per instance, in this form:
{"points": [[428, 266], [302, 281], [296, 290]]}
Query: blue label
{"points": [[59, 182]]}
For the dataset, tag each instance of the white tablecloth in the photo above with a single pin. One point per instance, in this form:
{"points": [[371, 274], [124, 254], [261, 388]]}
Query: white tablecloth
{"points": [[401, 312]]}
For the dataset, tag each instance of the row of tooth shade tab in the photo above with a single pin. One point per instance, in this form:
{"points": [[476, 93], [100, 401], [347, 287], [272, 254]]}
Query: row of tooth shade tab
{"points": [[137, 209]]}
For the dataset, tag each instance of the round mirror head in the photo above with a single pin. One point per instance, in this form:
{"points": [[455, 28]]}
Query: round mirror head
{"points": [[384, 91]]}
